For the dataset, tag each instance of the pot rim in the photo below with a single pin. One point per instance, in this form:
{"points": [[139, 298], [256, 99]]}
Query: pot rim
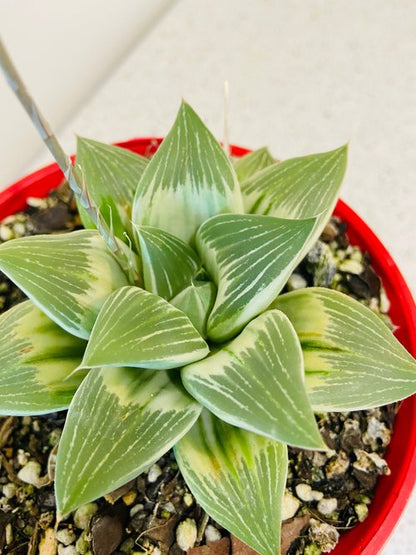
{"points": [[392, 492]]}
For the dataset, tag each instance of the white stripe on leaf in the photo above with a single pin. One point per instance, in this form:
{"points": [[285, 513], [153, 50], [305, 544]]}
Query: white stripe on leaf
{"points": [[137, 328], [68, 276], [119, 422], [256, 382], [352, 360], [110, 175], [237, 477], [169, 264], [36, 358], [187, 181], [250, 258]]}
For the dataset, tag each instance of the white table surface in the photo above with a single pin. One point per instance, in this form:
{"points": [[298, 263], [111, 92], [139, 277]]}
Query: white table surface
{"points": [[305, 76]]}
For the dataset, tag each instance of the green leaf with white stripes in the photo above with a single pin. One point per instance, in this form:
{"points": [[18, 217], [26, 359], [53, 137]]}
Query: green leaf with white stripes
{"points": [[169, 264], [256, 382], [299, 188], [67, 276], [253, 162], [352, 359], [238, 478], [119, 423], [250, 258], [36, 358], [188, 180], [196, 301], [137, 328], [110, 174]]}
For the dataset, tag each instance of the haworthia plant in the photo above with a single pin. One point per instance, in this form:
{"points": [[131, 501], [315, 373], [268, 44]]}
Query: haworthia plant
{"points": [[193, 346]]}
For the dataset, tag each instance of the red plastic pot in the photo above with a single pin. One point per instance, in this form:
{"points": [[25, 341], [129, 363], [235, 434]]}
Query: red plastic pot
{"points": [[392, 491]]}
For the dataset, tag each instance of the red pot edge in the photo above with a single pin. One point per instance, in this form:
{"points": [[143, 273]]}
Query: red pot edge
{"points": [[392, 492]]}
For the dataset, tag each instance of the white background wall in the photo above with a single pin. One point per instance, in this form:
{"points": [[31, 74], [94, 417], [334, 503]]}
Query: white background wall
{"points": [[305, 76]]}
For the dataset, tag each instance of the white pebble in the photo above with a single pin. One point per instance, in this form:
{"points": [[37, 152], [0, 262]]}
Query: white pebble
{"points": [[83, 515], [21, 457], [6, 233], [328, 505], [169, 507], [186, 534], [296, 281], [30, 473], [188, 499], [212, 534], [154, 472], [68, 550], [66, 536], [19, 229], [290, 505], [9, 490], [351, 266], [9, 534], [136, 509], [306, 493]]}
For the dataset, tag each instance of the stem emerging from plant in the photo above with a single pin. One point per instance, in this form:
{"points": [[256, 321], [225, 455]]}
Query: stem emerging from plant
{"points": [[70, 171]]}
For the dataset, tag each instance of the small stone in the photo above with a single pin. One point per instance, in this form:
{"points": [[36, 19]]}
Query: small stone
{"points": [[351, 435], [361, 510], [48, 544], [337, 466], [212, 534], [327, 505], [351, 267], [129, 498], [6, 233], [296, 281], [370, 462], [30, 473], [290, 506], [21, 457], [188, 499], [154, 472], [306, 493], [9, 534], [66, 536], [9, 490], [291, 530], [312, 549], [82, 544], [136, 509], [106, 533], [19, 229], [68, 550], [83, 515], [186, 533], [377, 433], [169, 507], [324, 535]]}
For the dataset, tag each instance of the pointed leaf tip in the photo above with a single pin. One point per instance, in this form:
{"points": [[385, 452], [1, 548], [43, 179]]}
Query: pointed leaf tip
{"points": [[187, 181], [137, 328], [256, 382]]}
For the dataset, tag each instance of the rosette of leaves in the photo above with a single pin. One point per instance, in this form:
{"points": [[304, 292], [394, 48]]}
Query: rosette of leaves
{"points": [[190, 345]]}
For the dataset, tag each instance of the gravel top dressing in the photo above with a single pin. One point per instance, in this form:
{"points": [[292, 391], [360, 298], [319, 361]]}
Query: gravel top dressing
{"points": [[327, 493]]}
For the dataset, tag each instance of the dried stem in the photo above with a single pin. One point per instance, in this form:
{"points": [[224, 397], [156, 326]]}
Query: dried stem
{"points": [[64, 162]]}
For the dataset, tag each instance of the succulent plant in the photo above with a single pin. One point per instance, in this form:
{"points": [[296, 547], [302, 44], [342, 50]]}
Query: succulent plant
{"points": [[162, 325]]}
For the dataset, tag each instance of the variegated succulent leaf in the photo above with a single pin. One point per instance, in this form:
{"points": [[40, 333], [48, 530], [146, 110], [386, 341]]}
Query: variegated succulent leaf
{"points": [[110, 175], [188, 180], [169, 265], [36, 359], [68, 276], [137, 328], [253, 162], [299, 188], [119, 423], [257, 382], [352, 359], [250, 258], [238, 477]]}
